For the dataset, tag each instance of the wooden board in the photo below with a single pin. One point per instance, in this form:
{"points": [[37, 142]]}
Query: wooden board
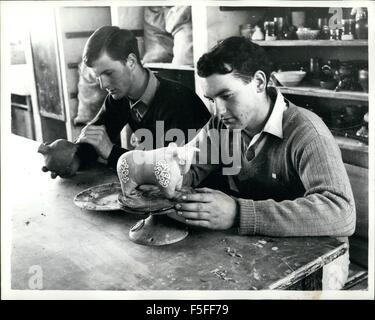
{"points": [[45, 61]]}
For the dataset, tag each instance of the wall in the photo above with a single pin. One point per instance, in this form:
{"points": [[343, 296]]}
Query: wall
{"points": [[222, 24], [76, 19], [130, 18]]}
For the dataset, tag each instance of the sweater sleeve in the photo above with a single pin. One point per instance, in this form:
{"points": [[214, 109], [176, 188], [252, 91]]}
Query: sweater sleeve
{"points": [[326, 209], [86, 152], [114, 118]]}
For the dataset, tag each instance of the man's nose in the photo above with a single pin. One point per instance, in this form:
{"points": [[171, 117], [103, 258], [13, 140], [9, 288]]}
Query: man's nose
{"points": [[220, 108]]}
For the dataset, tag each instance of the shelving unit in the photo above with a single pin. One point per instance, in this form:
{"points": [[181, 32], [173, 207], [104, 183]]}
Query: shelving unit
{"points": [[221, 22], [313, 43], [325, 93], [168, 66], [210, 24]]}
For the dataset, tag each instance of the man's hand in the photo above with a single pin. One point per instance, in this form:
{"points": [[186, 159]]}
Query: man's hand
{"points": [[97, 136], [54, 174], [207, 208]]}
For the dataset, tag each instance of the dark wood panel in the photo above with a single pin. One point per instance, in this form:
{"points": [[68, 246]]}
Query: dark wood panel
{"points": [[45, 57], [182, 76], [52, 129], [78, 34], [73, 95], [358, 251], [22, 122], [73, 65]]}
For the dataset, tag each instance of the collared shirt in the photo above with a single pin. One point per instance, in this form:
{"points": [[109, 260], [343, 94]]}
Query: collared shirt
{"points": [[274, 126], [140, 106]]}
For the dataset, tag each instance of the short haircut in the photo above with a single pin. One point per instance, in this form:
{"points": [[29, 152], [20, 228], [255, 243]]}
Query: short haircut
{"points": [[235, 54], [117, 43]]}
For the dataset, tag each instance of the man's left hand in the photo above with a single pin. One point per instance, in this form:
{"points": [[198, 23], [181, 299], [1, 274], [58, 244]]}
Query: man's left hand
{"points": [[97, 136], [207, 208]]}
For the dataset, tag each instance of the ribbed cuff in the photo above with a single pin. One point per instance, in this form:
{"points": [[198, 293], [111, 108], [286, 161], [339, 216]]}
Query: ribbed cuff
{"points": [[115, 154], [247, 225]]}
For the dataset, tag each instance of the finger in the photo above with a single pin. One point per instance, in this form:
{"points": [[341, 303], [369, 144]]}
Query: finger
{"points": [[101, 127], [197, 197], [53, 175], [176, 216], [92, 134], [89, 133], [198, 223], [191, 206], [95, 129], [90, 139], [193, 215], [84, 129], [45, 169]]}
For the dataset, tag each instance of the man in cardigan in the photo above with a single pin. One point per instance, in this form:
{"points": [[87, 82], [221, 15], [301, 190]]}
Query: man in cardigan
{"points": [[290, 180], [135, 96]]}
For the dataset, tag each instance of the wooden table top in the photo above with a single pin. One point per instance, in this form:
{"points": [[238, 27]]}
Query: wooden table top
{"points": [[79, 249]]}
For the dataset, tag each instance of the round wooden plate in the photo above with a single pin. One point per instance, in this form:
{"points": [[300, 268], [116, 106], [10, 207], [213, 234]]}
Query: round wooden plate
{"points": [[103, 197]]}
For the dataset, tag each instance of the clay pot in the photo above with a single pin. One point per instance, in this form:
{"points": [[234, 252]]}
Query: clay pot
{"points": [[61, 157]]}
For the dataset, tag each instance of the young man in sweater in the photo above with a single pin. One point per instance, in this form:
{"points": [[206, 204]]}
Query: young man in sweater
{"points": [[289, 179], [135, 96]]}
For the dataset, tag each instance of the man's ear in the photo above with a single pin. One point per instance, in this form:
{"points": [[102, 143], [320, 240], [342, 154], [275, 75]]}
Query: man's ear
{"points": [[131, 60], [260, 81]]}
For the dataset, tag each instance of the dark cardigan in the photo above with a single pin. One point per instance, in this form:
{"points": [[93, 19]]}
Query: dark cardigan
{"points": [[176, 105]]}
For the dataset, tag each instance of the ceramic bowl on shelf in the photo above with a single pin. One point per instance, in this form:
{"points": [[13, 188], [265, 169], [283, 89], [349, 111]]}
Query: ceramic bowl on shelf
{"points": [[289, 78], [307, 34]]}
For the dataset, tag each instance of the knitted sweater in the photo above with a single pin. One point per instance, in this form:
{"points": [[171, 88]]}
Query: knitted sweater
{"points": [[173, 103], [294, 186]]}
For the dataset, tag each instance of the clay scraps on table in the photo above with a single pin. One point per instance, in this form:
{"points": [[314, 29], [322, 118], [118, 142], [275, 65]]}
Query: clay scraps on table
{"points": [[222, 274], [260, 243], [233, 252]]}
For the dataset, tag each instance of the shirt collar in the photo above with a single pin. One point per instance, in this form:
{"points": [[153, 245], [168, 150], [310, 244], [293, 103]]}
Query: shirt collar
{"points": [[147, 96], [274, 124]]}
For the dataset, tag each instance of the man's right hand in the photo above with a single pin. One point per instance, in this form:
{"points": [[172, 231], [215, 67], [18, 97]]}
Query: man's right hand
{"points": [[55, 174]]}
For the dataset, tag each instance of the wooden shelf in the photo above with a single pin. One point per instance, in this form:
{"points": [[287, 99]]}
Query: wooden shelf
{"points": [[313, 43], [325, 93], [353, 151], [169, 66]]}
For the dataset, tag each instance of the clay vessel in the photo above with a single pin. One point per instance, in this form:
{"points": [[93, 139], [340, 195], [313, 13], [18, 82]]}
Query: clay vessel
{"points": [[162, 167], [61, 157]]}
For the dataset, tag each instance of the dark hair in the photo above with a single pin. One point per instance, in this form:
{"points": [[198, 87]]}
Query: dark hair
{"points": [[117, 43], [235, 54]]}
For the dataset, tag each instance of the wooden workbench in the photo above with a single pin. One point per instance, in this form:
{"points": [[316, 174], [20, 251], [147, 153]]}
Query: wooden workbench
{"points": [[84, 250]]}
